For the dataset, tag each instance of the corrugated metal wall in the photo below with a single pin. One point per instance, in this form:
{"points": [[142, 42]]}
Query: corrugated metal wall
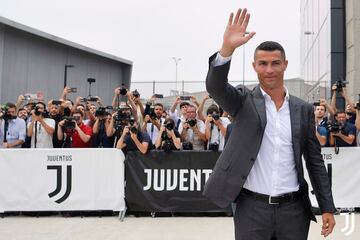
{"points": [[31, 64]]}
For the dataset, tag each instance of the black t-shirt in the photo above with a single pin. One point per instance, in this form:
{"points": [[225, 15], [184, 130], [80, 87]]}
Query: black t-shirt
{"points": [[131, 146], [101, 139], [348, 129], [56, 142], [167, 143]]}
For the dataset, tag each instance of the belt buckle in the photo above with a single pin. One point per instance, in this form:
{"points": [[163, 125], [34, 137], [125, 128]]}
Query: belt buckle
{"points": [[270, 202]]}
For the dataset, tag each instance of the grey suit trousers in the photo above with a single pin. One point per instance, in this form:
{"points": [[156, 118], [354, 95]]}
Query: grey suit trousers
{"points": [[257, 220]]}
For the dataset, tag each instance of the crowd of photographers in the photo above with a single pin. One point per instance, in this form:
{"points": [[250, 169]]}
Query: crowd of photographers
{"points": [[128, 125], [337, 127], [131, 125]]}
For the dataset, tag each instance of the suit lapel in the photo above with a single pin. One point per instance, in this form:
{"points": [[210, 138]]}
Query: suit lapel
{"points": [[295, 126], [259, 102]]}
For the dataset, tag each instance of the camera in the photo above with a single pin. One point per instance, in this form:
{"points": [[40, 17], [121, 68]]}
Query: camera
{"points": [[340, 84], [91, 80], [56, 102], [187, 146], [89, 99], [133, 129], [4, 113], [69, 124], [102, 111], [184, 98], [123, 91], [214, 146], [29, 97], [334, 127], [36, 111], [215, 116], [135, 93], [73, 90], [152, 113], [191, 122], [169, 126]]}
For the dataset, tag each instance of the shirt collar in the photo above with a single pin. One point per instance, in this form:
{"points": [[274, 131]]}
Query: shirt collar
{"points": [[287, 95]]}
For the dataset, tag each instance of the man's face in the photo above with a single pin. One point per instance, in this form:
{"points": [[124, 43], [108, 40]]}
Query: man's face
{"points": [[158, 111], [81, 108], [54, 109], [183, 109], [190, 113], [270, 67], [23, 114], [319, 111], [92, 109], [12, 111], [341, 117]]}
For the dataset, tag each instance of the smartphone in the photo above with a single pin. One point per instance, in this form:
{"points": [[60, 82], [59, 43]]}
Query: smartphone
{"points": [[159, 96], [185, 98], [56, 102], [73, 90], [92, 99], [29, 97]]}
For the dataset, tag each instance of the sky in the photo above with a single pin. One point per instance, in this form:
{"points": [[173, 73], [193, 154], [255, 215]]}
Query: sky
{"points": [[151, 32]]}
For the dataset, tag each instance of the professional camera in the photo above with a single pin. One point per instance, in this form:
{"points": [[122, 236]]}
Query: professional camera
{"points": [[37, 112], [90, 99], [152, 114], [69, 124], [340, 84], [214, 146], [215, 116], [133, 129], [122, 118], [357, 106], [123, 91], [169, 126], [4, 113], [191, 122], [102, 111], [334, 127], [187, 146], [135, 93]]}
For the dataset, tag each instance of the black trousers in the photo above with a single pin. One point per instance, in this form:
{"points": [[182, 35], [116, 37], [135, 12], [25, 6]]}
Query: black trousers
{"points": [[257, 220]]}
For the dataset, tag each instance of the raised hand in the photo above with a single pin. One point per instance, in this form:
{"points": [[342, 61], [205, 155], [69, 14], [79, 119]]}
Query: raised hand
{"points": [[235, 33]]}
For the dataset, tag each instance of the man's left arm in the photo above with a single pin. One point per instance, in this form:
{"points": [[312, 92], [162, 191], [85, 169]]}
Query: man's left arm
{"points": [[318, 175], [85, 136]]}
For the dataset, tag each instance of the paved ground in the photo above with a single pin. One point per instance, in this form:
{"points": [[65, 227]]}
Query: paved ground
{"points": [[143, 228]]}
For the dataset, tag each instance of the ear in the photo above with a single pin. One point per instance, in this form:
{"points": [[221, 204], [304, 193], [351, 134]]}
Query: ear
{"points": [[253, 64], [286, 64]]}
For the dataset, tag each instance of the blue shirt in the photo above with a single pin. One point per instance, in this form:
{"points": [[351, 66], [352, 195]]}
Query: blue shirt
{"points": [[16, 131]]}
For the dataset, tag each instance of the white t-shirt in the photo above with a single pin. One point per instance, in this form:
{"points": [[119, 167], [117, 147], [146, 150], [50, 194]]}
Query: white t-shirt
{"points": [[153, 131], [216, 136], [197, 143], [43, 139]]}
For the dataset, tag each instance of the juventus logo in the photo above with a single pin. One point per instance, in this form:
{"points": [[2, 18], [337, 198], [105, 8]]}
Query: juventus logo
{"points": [[349, 227], [59, 182]]}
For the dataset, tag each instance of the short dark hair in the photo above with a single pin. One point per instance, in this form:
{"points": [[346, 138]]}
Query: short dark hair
{"points": [[339, 112], [78, 112], [270, 46], [212, 108], [10, 105], [159, 104], [184, 104], [41, 103]]}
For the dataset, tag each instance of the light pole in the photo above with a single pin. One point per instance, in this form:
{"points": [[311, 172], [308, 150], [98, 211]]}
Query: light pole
{"points": [[65, 73], [176, 60]]}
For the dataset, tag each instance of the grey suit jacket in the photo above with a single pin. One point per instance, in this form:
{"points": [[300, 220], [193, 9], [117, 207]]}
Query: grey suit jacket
{"points": [[248, 110]]}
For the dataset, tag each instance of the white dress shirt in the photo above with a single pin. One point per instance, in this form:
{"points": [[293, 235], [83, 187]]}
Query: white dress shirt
{"points": [[274, 172]]}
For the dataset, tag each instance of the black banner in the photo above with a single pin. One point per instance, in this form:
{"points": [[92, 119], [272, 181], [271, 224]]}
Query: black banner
{"points": [[169, 181]]}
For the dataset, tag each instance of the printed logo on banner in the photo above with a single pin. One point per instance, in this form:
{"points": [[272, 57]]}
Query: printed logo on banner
{"points": [[176, 179], [349, 227], [59, 171]]}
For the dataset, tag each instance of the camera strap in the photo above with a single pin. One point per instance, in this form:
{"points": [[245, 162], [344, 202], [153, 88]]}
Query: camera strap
{"points": [[6, 126], [35, 140], [212, 127]]}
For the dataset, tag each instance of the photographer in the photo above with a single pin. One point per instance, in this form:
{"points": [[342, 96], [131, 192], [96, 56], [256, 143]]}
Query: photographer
{"points": [[54, 107], [12, 128], [192, 131], [173, 114], [41, 128], [132, 139], [100, 128], [357, 123], [321, 123], [168, 138], [342, 133], [153, 120], [73, 132], [215, 128]]}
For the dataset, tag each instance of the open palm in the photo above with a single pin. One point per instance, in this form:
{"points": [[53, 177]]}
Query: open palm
{"points": [[235, 33]]}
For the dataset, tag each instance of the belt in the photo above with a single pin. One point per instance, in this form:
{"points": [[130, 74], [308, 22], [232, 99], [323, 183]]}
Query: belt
{"points": [[288, 197]]}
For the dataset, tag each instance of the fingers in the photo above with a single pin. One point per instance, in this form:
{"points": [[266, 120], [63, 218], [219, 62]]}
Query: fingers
{"points": [[230, 19], [249, 36], [245, 22], [237, 16], [242, 17]]}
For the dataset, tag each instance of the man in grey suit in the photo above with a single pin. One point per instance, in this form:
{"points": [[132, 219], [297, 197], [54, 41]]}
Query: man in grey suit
{"points": [[261, 166]]}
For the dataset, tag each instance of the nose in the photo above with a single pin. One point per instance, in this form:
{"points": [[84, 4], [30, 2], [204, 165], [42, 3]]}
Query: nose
{"points": [[269, 69]]}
